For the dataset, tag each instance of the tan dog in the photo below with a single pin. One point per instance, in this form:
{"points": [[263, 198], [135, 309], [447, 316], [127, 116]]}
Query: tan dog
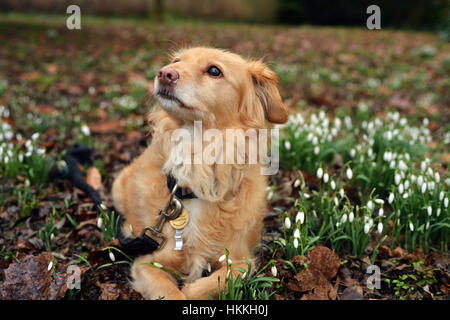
{"points": [[222, 90]]}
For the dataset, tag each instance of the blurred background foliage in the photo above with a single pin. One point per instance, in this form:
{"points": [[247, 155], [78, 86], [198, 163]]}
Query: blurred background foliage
{"points": [[422, 14]]}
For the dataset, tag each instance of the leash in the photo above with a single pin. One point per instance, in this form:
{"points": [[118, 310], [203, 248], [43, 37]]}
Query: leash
{"points": [[144, 244]]}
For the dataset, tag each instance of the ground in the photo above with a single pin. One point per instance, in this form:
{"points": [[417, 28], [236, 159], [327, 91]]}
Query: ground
{"points": [[94, 86]]}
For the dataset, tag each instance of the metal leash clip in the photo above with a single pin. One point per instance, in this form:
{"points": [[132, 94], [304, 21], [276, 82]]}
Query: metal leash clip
{"points": [[170, 212]]}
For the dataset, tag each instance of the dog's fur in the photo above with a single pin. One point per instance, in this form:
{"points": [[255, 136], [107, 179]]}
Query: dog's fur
{"points": [[231, 200]]}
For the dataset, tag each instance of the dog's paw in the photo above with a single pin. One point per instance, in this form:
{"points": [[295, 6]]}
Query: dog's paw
{"points": [[176, 296], [193, 291], [172, 296]]}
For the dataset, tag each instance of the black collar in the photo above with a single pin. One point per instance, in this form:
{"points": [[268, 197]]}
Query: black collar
{"points": [[180, 193]]}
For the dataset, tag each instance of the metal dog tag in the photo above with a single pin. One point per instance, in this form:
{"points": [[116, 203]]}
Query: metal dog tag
{"points": [[178, 239], [178, 224], [181, 221]]}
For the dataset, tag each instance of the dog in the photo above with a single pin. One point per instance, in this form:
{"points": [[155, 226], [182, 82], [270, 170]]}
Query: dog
{"points": [[222, 90]]}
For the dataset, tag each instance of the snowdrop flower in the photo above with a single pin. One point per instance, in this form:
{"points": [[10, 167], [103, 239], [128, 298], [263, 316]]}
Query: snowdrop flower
{"points": [[431, 185], [315, 140], [392, 164], [438, 212], [319, 173], [397, 178], [391, 198], [405, 196], [380, 227], [297, 233], [222, 258], [400, 188], [287, 145], [411, 227], [366, 228], [406, 184], [229, 262], [296, 183], [103, 206], [430, 211], [300, 217], [274, 271], [423, 166], [441, 195], [370, 205], [348, 122], [351, 216], [91, 90], [85, 130], [419, 181], [156, 264], [287, 223], [112, 257], [99, 223], [326, 177], [424, 188], [50, 266], [388, 135], [34, 136], [349, 173], [52, 237], [333, 185], [295, 243], [344, 218], [446, 202], [341, 193], [316, 150], [437, 177], [380, 212], [379, 201], [352, 153], [336, 201]]}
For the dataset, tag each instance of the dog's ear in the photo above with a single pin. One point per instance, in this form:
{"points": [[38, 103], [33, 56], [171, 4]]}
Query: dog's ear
{"points": [[265, 82]]}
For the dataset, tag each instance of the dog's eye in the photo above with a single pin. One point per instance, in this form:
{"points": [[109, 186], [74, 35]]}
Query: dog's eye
{"points": [[214, 71]]}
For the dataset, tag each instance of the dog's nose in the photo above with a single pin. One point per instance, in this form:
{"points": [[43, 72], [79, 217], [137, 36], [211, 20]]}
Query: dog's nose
{"points": [[168, 75]]}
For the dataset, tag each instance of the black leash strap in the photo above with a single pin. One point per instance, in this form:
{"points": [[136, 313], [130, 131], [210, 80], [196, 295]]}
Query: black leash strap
{"points": [[79, 154]]}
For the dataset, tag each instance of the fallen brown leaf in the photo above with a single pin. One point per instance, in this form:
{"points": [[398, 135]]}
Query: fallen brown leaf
{"points": [[109, 291], [93, 178], [352, 293], [30, 280], [324, 261]]}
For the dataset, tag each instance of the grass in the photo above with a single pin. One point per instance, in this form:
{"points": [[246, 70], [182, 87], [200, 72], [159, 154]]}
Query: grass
{"points": [[365, 151]]}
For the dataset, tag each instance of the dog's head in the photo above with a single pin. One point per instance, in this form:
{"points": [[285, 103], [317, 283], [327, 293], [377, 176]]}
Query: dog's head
{"points": [[219, 88]]}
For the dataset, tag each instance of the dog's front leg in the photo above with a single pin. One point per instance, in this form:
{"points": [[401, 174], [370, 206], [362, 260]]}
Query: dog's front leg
{"points": [[200, 288], [152, 282]]}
